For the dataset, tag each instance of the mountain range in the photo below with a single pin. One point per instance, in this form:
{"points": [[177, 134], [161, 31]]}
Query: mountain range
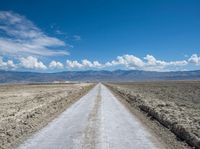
{"points": [[91, 75]]}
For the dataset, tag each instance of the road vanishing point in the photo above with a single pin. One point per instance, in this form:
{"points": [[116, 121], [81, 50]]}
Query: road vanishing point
{"points": [[97, 121]]}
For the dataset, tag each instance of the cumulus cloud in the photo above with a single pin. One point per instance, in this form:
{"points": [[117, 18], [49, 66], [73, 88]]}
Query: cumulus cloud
{"points": [[194, 59], [56, 65], [73, 64], [21, 36], [153, 64], [130, 61], [86, 63], [31, 62], [7, 65], [133, 62], [83, 64], [152, 61], [149, 62], [97, 64]]}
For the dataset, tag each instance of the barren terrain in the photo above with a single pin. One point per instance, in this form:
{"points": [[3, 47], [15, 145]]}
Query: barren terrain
{"points": [[174, 104], [26, 108], [97, 121]]}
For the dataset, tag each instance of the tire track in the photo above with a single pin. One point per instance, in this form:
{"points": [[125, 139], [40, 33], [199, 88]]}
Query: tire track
{"points": [[92, 128]]}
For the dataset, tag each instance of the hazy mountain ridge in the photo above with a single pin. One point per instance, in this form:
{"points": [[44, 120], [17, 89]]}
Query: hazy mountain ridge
{"points": [[91, 75]]}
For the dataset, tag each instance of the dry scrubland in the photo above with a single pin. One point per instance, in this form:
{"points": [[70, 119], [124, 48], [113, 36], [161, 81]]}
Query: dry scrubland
{"points": [[175, 104], [26, 108]]}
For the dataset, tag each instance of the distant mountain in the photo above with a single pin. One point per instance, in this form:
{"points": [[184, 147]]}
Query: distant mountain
{"points": [[118, 75]]}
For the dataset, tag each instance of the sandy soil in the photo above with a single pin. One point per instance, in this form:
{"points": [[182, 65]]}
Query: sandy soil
{"points": [[174, 104], [26, 108]]}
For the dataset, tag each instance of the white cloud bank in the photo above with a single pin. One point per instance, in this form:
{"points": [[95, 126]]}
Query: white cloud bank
{"points": [[21, 37], [129, 62], [83, 64], [149, 63]]}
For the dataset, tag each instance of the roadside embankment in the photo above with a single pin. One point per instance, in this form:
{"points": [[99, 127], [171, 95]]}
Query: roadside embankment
{"points": [[25, 109], [169, 105]]}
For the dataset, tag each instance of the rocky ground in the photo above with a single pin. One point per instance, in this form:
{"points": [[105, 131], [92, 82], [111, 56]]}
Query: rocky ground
{"points": [[26, 108], [174, 104]]}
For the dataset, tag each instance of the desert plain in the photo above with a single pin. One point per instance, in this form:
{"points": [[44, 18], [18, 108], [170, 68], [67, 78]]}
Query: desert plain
{"points": [[25, 108], [173, 104]]}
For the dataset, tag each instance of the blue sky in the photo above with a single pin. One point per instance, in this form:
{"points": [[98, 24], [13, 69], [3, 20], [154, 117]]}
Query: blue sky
{"points": [[52, 35]]}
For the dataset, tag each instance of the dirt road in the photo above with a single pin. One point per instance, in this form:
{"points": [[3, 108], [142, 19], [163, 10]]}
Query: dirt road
{"points": [[97, 121]]}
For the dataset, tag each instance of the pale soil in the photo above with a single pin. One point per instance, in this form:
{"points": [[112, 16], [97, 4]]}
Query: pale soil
{"points": [[174, 104], [26, 108]]}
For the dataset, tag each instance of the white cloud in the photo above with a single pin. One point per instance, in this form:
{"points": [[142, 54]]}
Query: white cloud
{"points": [[97, 64], [108, 64], [56, 65], [178, 63], [83, 64], [7, 65], [31, 62], [128, 61], [194, 59], [152, 61], [21, 37], [86, 63], [149, 63], [153, 64], [73, 64], [10, 64]]}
